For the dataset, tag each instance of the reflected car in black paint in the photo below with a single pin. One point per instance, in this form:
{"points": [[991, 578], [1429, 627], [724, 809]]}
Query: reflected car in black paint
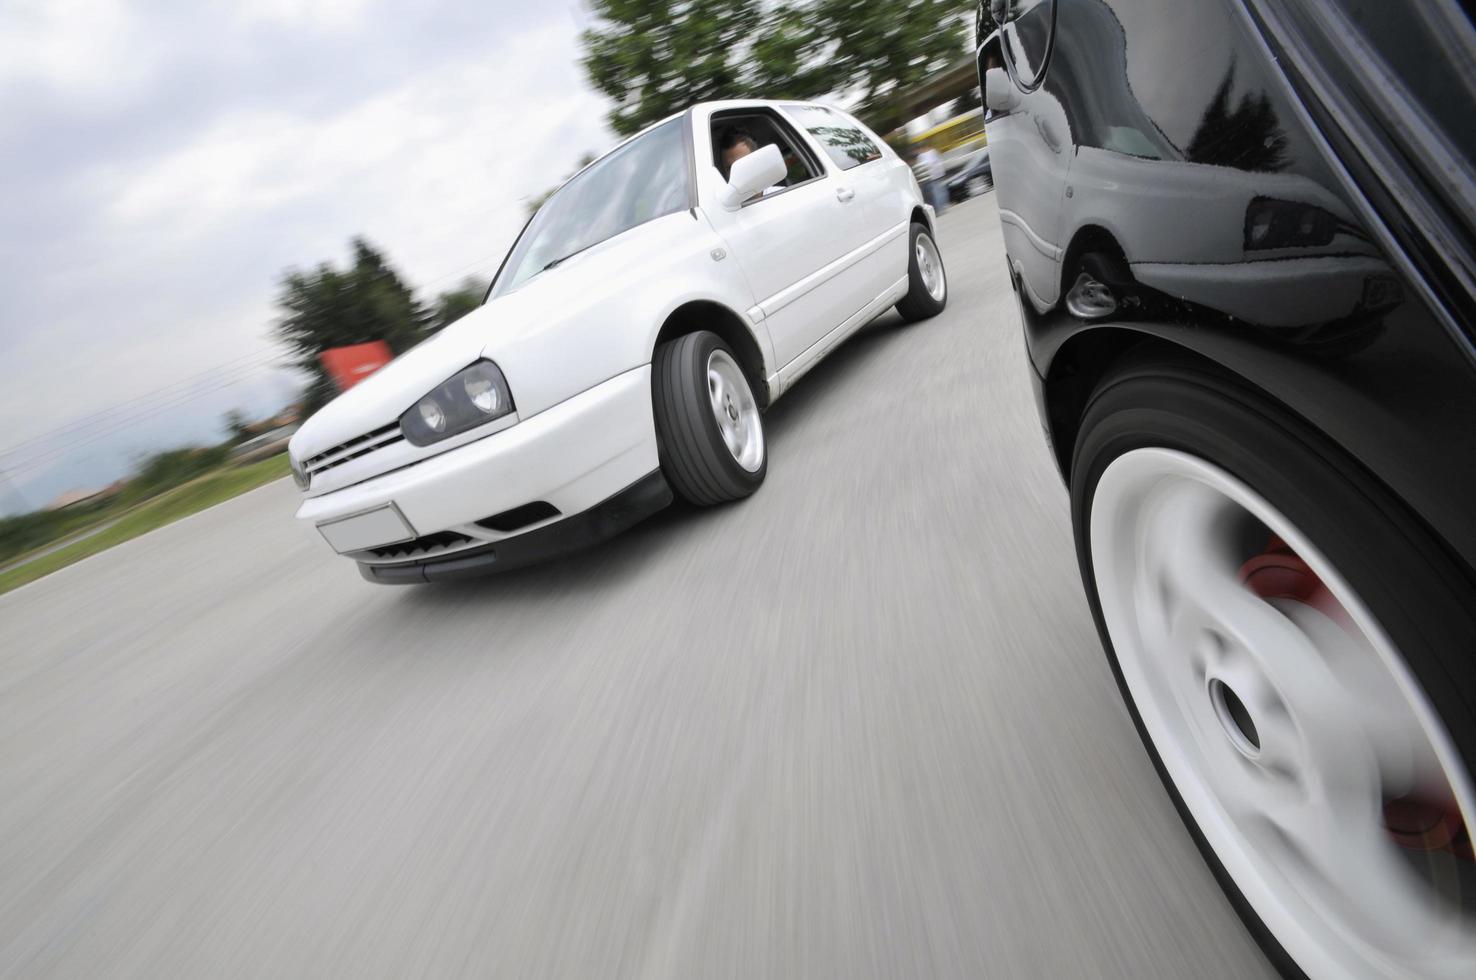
{"points": [[1242, 235], [971, 178]]}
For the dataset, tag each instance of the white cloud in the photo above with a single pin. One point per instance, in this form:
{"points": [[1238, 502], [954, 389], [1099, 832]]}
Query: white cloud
{"points": [[93, 49], [160, 257], [436, 169], [303, 14]]}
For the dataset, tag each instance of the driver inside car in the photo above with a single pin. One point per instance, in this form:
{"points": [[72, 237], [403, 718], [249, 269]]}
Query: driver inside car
{"points": [[733, 145]]}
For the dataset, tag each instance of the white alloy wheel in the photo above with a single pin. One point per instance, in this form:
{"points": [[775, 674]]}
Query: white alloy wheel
{"points": [[1289, 728], [735, 410], [930, 267]]}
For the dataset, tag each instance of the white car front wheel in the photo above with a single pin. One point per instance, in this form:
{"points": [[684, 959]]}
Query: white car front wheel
{"points": [[708, 423], [927, 282]]}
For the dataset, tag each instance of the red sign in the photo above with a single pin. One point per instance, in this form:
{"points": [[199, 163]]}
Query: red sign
{"points": [[347, 366]]}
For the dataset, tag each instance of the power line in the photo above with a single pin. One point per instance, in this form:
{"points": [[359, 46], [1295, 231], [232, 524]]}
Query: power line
{"points": [[159, 400], [115, 422], [14, 495], [259, 357], [114, 426]]}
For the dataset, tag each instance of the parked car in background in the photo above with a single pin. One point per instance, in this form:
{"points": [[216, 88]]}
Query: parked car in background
{"points": [[1241, 236], [974, 177], [261, 446], [650, 311]]}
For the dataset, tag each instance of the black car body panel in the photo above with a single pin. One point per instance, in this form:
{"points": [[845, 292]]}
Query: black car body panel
{"points": [[1309, 234]]}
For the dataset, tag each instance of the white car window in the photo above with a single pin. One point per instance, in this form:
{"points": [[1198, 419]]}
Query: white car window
{"points": [[644, 179], [765, 129], [843, 141]]}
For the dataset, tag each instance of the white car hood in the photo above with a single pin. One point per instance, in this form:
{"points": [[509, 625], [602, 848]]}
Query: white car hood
{"points": [[383, 396], [559, 333]]}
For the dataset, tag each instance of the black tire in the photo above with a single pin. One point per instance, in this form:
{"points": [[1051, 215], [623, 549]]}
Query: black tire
{"points": [[1421, 597], [694, 458], [919, 304]]}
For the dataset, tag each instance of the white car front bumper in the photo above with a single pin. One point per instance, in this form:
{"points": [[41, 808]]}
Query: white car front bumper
{"points": [[581, 454]]}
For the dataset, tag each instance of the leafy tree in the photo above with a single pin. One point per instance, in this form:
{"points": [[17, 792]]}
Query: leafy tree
{"points": [[452, 306], [878, 48], [330, 307], [1248, 136], [237, 425], [163, 471], [656, 57]]}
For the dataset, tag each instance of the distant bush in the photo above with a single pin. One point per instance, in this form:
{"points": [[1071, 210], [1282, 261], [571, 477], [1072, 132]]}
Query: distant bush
{"points": [[166, 470], [154, 475], [27, 532]]}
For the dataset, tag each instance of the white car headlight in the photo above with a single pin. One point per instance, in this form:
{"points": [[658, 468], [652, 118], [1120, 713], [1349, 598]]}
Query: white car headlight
{"points": [[471, 397], [299, 475]]}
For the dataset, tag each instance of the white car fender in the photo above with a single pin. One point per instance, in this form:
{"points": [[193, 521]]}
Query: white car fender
{"points": [[598, 316]]}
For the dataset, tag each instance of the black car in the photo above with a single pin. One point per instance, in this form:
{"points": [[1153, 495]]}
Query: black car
{"points": [[974, 176], [1242, 235]]}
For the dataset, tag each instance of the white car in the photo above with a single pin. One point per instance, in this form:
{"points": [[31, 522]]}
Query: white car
{"points": [[643, 320]]}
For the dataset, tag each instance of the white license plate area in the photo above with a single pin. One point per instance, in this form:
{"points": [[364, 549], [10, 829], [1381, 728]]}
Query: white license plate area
{"points": [[371, 529]]}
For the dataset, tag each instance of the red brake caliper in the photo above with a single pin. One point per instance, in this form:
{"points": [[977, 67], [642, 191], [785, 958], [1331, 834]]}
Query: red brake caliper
{"points": [[1416, 823]]}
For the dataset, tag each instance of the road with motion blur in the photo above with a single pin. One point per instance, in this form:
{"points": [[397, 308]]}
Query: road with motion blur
{"points": [[857, 726]]}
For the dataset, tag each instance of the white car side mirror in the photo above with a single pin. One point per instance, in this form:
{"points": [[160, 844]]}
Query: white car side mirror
{"points": [[761, 169], [1000, 94]]}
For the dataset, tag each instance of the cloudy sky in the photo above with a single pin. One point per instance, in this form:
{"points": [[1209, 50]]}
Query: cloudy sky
{"points": [[166, 160]]}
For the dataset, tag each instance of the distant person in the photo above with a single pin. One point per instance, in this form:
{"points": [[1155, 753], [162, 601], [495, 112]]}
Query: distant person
{"points": [[930, 172]]}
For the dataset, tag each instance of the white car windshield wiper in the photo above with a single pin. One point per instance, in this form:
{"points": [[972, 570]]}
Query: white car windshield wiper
{"points": [[569, 255]]}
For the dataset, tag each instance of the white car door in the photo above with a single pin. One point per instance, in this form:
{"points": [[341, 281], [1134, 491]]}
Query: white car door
{"points": [[856, 154], [882, 187], [797, 243]]}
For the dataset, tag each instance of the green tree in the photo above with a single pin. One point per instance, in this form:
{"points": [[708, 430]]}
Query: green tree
{"points": [[237, 426], [877, 48], [656, 57], [329, 307], [162, 471], [452, 306]]}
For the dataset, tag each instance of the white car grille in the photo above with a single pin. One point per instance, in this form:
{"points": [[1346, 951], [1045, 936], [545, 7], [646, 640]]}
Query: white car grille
{"points": [[380, 438]]}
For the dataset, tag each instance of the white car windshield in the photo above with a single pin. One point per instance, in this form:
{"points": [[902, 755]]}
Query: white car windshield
{"points": [[644, 179]]}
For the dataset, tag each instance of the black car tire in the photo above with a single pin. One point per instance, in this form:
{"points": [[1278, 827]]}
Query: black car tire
{"points": [[919, 303], [1423, 600], [695, 459]]}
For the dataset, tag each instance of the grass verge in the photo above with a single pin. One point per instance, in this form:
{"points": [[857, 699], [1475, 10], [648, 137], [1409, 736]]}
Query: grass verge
{"points": [[166, 508]]}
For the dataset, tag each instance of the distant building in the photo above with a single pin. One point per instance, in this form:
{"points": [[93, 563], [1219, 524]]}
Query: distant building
{"points": [[73, 498], [292, 413]]}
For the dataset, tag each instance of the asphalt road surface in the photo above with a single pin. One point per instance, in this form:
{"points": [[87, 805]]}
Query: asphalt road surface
{"points": [[856, 726]]}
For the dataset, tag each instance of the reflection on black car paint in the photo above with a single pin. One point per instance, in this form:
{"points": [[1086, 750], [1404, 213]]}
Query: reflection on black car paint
{"points": [[1228, 233]]}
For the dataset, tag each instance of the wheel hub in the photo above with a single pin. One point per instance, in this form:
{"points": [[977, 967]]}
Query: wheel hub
{"points": [[1235, 718], [930, 267], [735, 410]]}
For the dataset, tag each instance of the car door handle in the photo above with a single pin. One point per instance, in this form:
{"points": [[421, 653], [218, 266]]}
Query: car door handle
{"points": [[844, 194]]}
